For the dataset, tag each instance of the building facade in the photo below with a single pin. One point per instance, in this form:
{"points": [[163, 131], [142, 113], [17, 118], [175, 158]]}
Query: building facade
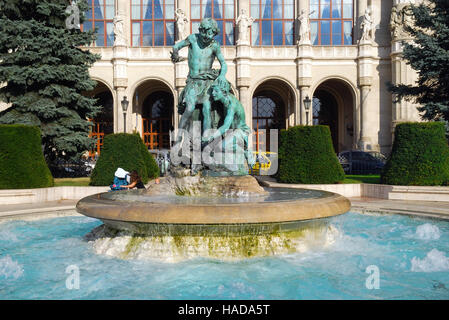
{"points": [[338, 53]]}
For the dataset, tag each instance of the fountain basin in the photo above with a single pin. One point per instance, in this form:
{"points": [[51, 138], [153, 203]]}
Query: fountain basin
{"points": [[280, 209]]}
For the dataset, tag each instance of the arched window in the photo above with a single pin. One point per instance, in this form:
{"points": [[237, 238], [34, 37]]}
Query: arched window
{"points": [[268, 113], [325, 112], [103, 123], [152, 23], [331, 22], [221, 11], [157, 120], [100, 15], [274, 22]]}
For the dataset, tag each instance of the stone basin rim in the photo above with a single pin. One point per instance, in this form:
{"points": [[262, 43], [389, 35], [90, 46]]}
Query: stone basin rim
{"points": [[213, 214]]}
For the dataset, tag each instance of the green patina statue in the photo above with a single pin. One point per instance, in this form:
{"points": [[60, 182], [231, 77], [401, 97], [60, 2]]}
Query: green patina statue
{"points": [[234, 130], [203, 86], [202, 52]]}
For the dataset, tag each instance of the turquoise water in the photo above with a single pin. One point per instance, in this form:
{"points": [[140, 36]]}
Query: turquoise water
{"points": [[411, 255]]}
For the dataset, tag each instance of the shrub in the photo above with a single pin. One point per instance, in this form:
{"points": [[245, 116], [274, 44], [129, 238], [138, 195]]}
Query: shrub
{"points": [[122, 150], [22, 163], [306, 155], [420, 155]]}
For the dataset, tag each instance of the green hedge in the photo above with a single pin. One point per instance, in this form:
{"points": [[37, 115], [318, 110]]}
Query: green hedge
{"points": [[22, 163], [306, 155], [127, 151], [420, 155]]}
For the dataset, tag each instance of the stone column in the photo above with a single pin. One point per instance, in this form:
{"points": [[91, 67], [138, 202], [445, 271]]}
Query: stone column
{"points": [[304, 59], [400, 71], [120, 64], [365, 139], [243, 66]]}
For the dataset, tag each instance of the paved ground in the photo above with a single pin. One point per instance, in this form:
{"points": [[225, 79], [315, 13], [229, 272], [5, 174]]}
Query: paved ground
{"points": [[430, 209]]}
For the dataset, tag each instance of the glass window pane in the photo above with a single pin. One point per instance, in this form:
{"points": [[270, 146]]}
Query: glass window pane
{"points": [[325, 39], [195, 12], [289, 12], [147, 27], [89, 14], [336, 8], [169, 12], [325, 27], [347, 32], [99, 12], [314, 11], [277, 9], [195, 26], [255, 11], [170, 33], [219, 36], [147, 12], [136, 12], [135, 2], [218, 14], [158, 13], [207, 10], [325, 33], [314, 32], [110, 34], [266, 33], [229, 33], [229, 11], [147, 40], [325, 9], [336, 27], [289, 32], [266, 9], [136, 40], [255, 33], [347, 11], [158, 27], [109, 12], [87, 25]]}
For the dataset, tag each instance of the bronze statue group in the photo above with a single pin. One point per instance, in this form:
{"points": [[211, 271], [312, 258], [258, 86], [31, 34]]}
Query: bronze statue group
{"points": [[208, 87]]}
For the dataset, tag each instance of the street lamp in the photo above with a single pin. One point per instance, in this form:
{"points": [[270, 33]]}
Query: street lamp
{"points": [[307, 103], [125, 104]]}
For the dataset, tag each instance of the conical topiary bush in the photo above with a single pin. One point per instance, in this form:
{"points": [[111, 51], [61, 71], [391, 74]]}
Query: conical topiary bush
{"points": [[22, 163], [420, 155], [306, 155], [127, 151]]}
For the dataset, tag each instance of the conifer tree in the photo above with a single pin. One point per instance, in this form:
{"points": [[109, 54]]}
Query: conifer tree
{"points": [[428, 55], [44, 71]]}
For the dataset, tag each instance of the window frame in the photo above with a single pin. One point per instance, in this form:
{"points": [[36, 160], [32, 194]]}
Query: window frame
{"points": [[272, 19], [105, 21], [152, 20], [330, 20], [223, 20]]}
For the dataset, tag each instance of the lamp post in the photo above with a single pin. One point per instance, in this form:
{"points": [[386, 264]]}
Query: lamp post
{"points": [[125, 104], [307, 103]]}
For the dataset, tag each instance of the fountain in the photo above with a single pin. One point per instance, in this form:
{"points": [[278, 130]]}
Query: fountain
{"points": [[210, 207]]}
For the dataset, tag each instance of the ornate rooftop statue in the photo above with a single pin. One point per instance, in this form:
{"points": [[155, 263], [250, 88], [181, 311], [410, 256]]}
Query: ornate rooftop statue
{"points": [[367, 26], [304, 26], [119, 35], [181, 24], [244, 22]]}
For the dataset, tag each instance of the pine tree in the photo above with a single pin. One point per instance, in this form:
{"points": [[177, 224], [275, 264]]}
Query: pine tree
{"points": [[44, 72], [428, 55]]}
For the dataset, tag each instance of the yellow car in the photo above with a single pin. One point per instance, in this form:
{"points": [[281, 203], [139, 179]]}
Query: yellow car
{"points": [[263, 162]]}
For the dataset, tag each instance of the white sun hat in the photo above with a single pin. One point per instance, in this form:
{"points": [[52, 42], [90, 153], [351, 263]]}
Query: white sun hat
{"points": [[120, 173]]}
